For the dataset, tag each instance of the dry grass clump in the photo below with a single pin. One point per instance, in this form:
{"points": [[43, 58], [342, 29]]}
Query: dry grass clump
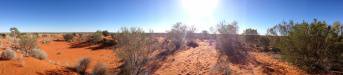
{"points": [[82, 65], [133, 50], [8, 54], [39, 54], [100, 69]]}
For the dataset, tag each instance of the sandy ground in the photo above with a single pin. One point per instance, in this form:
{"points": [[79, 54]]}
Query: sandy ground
{"points": [[194, 61], [202, 60]]}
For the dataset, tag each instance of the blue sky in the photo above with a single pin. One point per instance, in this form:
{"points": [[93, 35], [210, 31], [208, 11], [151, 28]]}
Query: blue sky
{"points": [[158, 15]]}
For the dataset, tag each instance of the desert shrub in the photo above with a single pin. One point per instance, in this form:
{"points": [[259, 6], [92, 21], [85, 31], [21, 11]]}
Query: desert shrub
{"points": [[180, 35], [229, 44], [39, 54], [251, 36], [27, 43], [46, 41], [2, 36], [106, 33], [68, 37], [100, 69], [96, 37], [314, 47], [8, 54], [190, 37], [82, 65], [107, 42], [192, 44], [133, 50], [84, 38], [205, 35], [264, 42], [177, 34]]}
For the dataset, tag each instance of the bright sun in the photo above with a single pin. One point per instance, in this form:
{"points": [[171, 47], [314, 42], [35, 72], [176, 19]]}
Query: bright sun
{"points": [[200, 12], [199, 8]]}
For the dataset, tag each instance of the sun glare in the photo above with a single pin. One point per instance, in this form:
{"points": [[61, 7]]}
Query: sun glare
{"points": [[199, 8], [200, 12]]}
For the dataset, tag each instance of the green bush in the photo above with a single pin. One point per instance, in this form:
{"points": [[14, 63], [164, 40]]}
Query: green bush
{"points": [[8, 54], [39, 54], [68, 37], [314, 47], [133, 49], [82, 66]]}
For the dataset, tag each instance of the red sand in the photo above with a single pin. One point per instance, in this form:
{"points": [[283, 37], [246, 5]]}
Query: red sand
{"points": [[200, 60]]}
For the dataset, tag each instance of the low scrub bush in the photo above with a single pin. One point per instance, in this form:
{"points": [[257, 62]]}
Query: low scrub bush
{"points": [[133, 50], [39, 54], [8, 54], [100, 69], [82, 65], [315, 47], [68, 37]]}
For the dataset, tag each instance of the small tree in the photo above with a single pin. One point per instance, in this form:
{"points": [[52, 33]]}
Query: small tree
{"points": [[14, 32]]}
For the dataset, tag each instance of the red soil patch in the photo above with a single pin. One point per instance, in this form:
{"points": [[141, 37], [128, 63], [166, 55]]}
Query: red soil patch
{"points": [[60, 56], [200, 60]]}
